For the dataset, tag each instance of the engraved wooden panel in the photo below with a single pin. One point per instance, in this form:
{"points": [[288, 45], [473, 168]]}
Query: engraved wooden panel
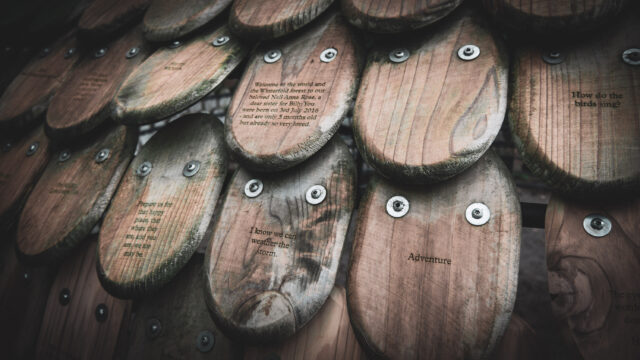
{"points": [[383, 16], [171, 80], [156, 222], [168, 19], [328, 335], [28, 95], [593, 281], [518, 342], [72, 195], [272, 261], [434, 115], [77, 330], [576, 122], [81, 103], [283, 112], [257, 19], [430, 285], [104, 18]]}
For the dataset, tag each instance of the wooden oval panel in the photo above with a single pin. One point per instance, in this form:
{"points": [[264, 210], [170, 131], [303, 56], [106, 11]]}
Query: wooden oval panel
{"points": [[272, 261], [434, 115], [283, 112], [593, 281], [383, 16], [430, 285], [156, 222], [576, 123], [71, 196], [168, 19], [104, 18], [518, 342], [74, 331], [81, 103], [257, 19], [171, 80]]}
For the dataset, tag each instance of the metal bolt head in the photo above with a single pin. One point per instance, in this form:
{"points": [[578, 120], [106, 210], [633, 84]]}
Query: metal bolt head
{"points": [[44, 52], [101, 312], [102, 155], [191, 168], [144, 169], [69, 53], [253, 188], [205, 341], [328, 55], [272, 56], [6, 147], [553, 57], [468, 52], [175, 44], [100, 52], [316, 194], [133, 52], [631, 56], [220, 40], [397, 206], [597, 225], [399, 55], [64, 155], [153, 328], [477, 214], [26, 276], [65, 296], [33, 148]]}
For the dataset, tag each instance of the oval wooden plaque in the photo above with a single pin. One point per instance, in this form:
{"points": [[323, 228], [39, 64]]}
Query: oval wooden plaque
{"points": [[71, 196], [104, 18], [576, 122], [593, 281], [169, 19], [171, 80], [283, 112], [272, 261], [156, 222], [432, 116], [82, 102], [429, 284]]}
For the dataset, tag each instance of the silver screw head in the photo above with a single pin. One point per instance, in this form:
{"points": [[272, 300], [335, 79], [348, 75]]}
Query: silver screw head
{"points": [[191, 168], [101, 312], [477, 214], [33, 148], [397, 206], [399, 55], [468, 52], [44, 52], [102, 155], [553, 57], [6, 147], [64, 155], [253, 188], [220, 40], [153, 329], [205, 341], [272, 56], [26, 276], [100, 52], [144, 169], [328, 55], [133, 52], [175, 44], [631, 56], [316, 194], [69, 53], [64, 297], [597, 225]]}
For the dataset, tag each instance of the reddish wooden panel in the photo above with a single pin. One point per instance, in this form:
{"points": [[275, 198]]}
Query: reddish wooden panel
{"points": [[169, 19], [518, 342], [104, 18]]}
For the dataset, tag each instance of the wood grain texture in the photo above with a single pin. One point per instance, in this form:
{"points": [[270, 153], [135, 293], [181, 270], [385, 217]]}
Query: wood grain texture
{"points": [[169, 20], [593, 282], [384, 16], [262, 20], [430, 285], [82, 102], [272, 261], [72, 331], [328, 335], [71, 196], [171, 80], [434, 115], [156, 222], [518, 342], [284, 112], [580, 143], [104, 18]]}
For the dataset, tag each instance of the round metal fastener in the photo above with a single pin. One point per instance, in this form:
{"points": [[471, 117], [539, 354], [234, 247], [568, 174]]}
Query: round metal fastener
{"points": [[64, 155], [33, 148], [205, 341], [316, 194], [597, 225], [144, 169], [478, 214], [397, 206], [64, 297], [6, 147], [220, 40], [101, 312], [553, 57], [69, 53], [191, 168], [328, 55], [133, 52], [399, 55], [631, 56], [175, 44], [102, 155], [100, 53], [253, 188], [153, 329], [272, 56], [26, 276], [468, 52], [44, 52]]}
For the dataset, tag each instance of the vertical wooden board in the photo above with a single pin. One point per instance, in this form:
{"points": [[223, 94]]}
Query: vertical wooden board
{"points": [[72, 195], [432, 116], [283, 112], [263, 20], [174, 322], [593, 281], [169, 20], [172, 79], [430, 285], [82, 102], [383, 16], [519, 342], [156, 221], [272, 261], [74, 327], [328, 335], [576, 122], [104, 18]]}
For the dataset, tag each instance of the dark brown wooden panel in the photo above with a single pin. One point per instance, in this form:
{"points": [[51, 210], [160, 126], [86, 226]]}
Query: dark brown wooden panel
{"points": [[169, 19], [518, 342], [104, 18]]}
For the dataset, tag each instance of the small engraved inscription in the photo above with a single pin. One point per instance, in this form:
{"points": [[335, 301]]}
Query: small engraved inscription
{"points": [[143, 232], [282, 241], [611, 100], [89, 86], [64, 188], [428, 259]]}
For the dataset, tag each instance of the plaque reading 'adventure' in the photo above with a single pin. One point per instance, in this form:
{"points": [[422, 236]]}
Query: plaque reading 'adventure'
{"points": [[104, 18], [167, 20]]}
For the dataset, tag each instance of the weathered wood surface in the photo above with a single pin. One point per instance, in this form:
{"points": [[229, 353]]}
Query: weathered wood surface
{"points": [[593, 281], [104, 18], [283, 112], [71, 196], [82, 102], [28, 95], [328, 335], [171, 80], [383, 16], [170, 323], [430, 285], [434, 115], [169, 19], [576, 122], [262, 20], [77, 330], [273, 259], [518, 342], [156, 222]]}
